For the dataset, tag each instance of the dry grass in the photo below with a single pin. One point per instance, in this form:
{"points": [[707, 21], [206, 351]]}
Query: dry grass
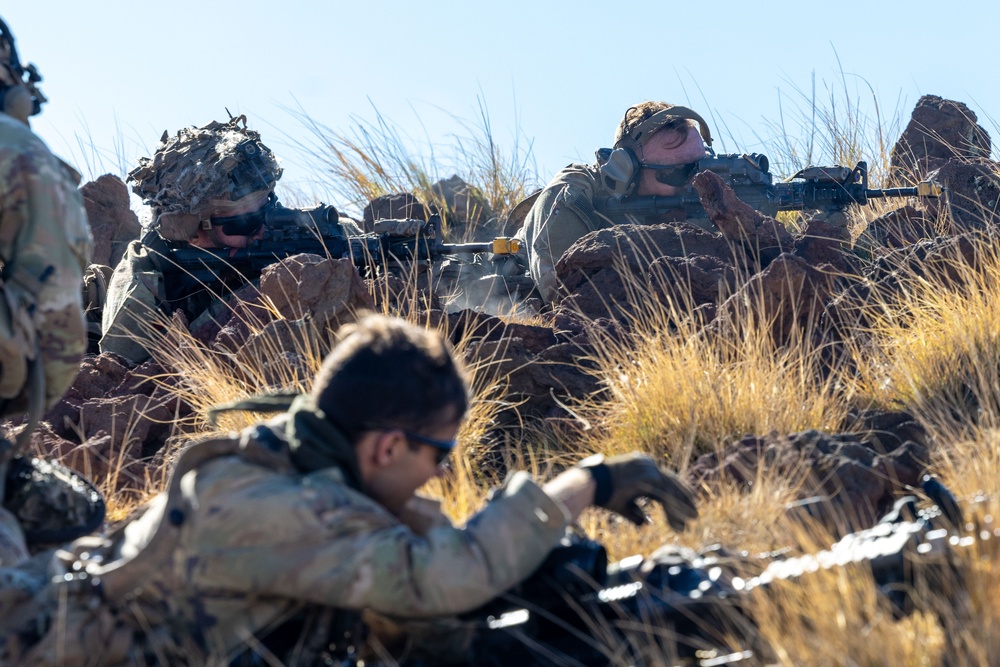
{"points": [[675, 392], [936, 346], [377, 158], [678, 391]]}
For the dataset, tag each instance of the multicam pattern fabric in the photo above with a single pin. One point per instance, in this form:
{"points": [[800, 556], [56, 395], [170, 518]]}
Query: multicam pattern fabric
{"points": [[563, 213], [241, 540], [45, 246], [132, 305]]}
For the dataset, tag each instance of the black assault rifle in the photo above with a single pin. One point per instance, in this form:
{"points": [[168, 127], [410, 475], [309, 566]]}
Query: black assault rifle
{"points": [[579, 610], [813, 188], [318, 230]]}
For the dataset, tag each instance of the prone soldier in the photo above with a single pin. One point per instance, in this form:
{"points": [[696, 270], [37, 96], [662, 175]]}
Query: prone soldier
{"points": [[656, 152], [315, 512], [211, 188]]}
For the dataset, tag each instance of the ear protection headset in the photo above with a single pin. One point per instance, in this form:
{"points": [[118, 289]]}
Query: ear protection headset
{"points": [[620, 172], [19, 97]]}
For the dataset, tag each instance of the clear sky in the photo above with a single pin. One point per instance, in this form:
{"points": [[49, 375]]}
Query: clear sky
{"points": [[558, 74]]}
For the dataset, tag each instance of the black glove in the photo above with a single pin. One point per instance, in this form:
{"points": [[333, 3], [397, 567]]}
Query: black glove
{"points": [[622, 480]]}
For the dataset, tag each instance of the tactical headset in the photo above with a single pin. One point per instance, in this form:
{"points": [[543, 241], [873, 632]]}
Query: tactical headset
{"points": [[620, 172], [20, 98]]}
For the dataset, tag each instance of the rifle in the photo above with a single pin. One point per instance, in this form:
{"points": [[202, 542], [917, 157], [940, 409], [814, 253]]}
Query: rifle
{"points": [[577, 609], [318, 230], [813, 188]]}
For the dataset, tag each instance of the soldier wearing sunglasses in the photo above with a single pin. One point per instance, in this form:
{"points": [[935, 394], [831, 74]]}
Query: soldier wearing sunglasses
{"points": [[209, 187], [287, 540], [656, 152]]}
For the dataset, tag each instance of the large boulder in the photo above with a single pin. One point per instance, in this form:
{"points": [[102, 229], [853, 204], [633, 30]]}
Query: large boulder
{"points": [[971, 194], [938, 131], [790, 294], [855, 479], [112, 220], [399, 206], [606, 272], [468, 213], [328, 290]]}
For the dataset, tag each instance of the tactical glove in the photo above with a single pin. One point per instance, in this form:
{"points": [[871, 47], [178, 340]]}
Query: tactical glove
{"points": [[622, 480]]}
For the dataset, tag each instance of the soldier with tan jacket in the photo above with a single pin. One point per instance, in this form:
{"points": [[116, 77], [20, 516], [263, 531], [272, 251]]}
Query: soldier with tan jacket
{"points": [[657, 146], [45, 245], [314, 515], [208, 187]]}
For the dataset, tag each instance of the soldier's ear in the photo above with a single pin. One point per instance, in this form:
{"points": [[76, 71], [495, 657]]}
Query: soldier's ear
{"points": [[388, 446]]}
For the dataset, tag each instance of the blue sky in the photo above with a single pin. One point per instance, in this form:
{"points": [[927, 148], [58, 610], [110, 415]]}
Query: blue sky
{"points": [[558, 74]]}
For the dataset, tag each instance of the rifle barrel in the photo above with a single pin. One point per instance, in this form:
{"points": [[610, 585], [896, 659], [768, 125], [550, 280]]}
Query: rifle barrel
{"points": [[891, 192]]}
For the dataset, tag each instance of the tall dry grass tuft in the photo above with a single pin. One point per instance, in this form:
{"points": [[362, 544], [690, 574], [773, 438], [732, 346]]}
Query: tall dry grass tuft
{"points": [[376, 158], [678, 389], [935, 344], [837, 617]]}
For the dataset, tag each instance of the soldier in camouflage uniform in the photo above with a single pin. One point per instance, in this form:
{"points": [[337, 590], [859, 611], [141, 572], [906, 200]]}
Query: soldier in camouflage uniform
{"points": [[314, 511], [45, 244], [208, 187], [655, 147]]}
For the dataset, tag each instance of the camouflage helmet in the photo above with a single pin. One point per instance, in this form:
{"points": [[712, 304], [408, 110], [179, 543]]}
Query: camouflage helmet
{"points": [[19, 96], [200, 169]]}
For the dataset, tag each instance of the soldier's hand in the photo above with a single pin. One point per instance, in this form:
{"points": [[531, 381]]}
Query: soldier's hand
{"points": [[622, 480]]}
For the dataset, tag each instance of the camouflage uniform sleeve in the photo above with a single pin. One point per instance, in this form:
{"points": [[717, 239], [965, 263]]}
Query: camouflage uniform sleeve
{"points": [[45, 244], [323, 543], [563, 213], [134, 294]]}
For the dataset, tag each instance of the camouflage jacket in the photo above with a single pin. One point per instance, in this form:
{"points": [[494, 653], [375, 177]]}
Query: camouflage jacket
{"points": [[45, 246], [241, 541], [563, 213], [141, 295]]}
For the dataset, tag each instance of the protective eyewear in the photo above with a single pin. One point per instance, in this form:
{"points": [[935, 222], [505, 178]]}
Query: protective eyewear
{"points": [[442, 447], [676, 175], [244, 224]]}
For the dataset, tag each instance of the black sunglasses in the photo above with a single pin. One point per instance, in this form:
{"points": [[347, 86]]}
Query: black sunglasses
{"points": [[245, 224], [676, 175], [442, 447]]}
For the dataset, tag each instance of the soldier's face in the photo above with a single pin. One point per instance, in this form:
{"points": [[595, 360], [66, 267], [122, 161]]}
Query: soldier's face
{"points": [[667, 148], [217, 235], [399, 466]]}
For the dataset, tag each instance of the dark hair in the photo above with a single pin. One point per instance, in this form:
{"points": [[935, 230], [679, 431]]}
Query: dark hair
{"points": [[635, 115], [385, 372]]}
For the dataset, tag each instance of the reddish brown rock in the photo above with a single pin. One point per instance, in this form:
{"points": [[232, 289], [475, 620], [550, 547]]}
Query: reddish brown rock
{"points": [[790, 294], [854, 482], [400, 206], [467, 212], [900, 228], [140, 424], [328, 290], [826, 240], [971, 194], [690, 282], [938, 131], [633, 247], [111, 218], [763, 238]]}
